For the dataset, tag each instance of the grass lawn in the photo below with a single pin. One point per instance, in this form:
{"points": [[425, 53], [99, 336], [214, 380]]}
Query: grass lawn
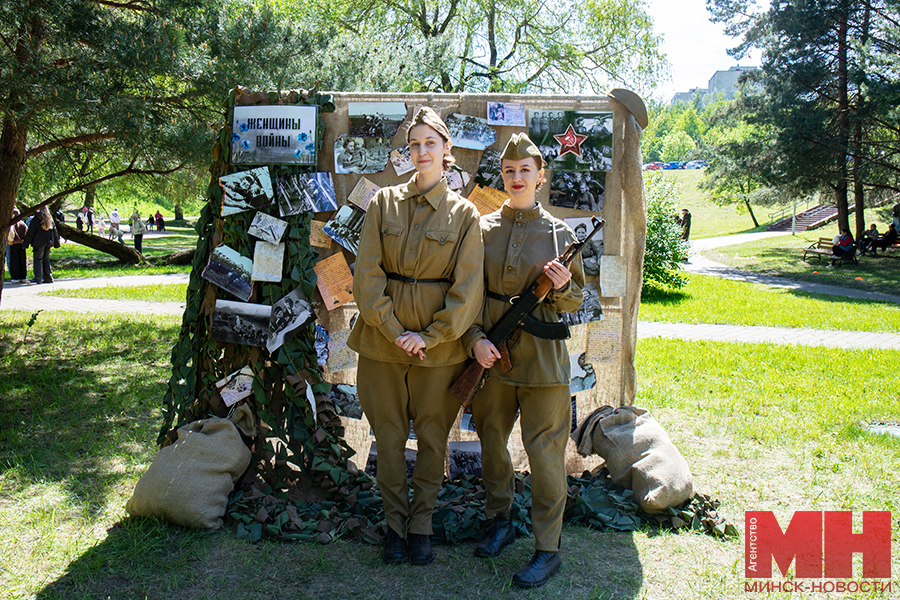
{"points": [[708, 219], [724, 301], [169, 292], [75, 260], [764, 428], [781, 256]]}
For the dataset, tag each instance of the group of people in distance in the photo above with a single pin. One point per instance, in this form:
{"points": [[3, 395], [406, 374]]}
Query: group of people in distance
{"points": [[432, 276], [844, 244]]}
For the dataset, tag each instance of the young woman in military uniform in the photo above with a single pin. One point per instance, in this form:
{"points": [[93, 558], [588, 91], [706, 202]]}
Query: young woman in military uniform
{"points": [[418, 284], [522, 240]]}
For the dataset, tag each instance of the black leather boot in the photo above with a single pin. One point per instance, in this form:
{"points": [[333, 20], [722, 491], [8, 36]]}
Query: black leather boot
{"points": [[420, 552], [394, 548], [538, 571], [502, 535]]}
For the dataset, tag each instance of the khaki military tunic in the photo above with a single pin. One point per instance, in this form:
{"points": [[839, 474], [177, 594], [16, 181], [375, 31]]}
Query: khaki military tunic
{"points": [[517, 246], [431, 236]]}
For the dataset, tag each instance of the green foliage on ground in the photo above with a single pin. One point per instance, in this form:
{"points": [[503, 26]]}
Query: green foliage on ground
{"points": [[724, 301], [172, 292], [665, 248], [763, 428]]}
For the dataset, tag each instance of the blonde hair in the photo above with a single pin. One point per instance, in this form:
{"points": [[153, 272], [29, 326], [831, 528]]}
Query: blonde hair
{"points": [[46, 218], [427, 116]]}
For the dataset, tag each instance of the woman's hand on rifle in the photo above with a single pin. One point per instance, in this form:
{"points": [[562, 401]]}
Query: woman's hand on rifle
{"points": [[558, 273], [486, 353]]}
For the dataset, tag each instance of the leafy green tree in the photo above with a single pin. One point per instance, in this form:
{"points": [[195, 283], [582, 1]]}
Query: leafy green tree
{"points": [[560, 46], [678, 145], [665, 250], [94, 90]]}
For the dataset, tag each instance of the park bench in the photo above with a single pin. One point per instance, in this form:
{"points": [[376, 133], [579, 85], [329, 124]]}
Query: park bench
{"points": [[824, 247]]}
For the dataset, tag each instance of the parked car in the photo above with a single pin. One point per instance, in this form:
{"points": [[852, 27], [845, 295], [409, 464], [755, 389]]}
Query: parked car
{"points": [[694, 164], [652, 166], [675, 164]]}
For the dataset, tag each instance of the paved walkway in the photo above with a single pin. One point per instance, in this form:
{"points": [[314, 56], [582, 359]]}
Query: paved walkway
{"points": [[27, 297]]}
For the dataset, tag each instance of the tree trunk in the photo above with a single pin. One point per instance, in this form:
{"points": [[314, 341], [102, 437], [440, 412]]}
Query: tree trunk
{"points": [[179, 212], [126, 254], [12, 158], [750, 210], [179, 257], [89, 195], [843, 141]]}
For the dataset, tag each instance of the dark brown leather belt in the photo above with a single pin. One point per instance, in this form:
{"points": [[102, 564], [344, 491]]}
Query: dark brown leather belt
{"points": [[405, 279]]}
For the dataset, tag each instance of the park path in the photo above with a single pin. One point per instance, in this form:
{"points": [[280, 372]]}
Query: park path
{"points": [[27, 297]]}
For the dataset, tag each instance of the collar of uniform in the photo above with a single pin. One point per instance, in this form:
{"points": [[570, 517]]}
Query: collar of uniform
{"points": [[525, 215], [433, 196]]}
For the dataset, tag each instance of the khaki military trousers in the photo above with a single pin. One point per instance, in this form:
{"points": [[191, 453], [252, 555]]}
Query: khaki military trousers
{"points": [[392, 395], [546, 417]]}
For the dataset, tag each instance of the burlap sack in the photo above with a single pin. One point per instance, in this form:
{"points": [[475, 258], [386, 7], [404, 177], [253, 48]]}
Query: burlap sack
{"points": [[189, 481], [638, 454]]}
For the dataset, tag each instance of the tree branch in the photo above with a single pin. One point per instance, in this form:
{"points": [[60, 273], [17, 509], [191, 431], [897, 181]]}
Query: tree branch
{"points": [[133, 5], [70, 141]]}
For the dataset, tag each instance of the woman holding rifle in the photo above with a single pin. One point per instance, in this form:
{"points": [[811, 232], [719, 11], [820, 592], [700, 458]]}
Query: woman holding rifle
{"points": [[521, 241], [418, 285]]}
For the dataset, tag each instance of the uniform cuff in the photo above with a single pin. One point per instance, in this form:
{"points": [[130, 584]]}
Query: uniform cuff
{"points": [[470, 338], [391, 329]]}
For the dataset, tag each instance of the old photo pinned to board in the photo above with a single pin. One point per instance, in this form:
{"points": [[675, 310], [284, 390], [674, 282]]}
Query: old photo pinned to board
{"points": [[375, 119], [362, 193], [267, 228], [593, 250], [467, 131], [288, 315], [361, 155], [346, 401], [268, 262], [231, 271], [346, 227], [241, 323], [305, 192], [508, 114], [246, 190], [236, 386], [578, 190]]}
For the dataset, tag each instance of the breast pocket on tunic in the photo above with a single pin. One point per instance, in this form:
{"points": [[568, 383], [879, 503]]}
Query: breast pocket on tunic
{"points": [[439, 248], [392, 240]]}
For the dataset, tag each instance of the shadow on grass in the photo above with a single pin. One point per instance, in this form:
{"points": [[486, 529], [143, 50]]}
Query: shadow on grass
{"points": [[146, 558], [663, 296], [80, 402]]}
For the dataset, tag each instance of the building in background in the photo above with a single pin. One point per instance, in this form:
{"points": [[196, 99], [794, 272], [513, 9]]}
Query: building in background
{"points": [[721, 84]]}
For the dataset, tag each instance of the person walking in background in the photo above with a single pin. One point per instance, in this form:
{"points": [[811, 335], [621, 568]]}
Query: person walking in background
{"points": [[150, 223], [522, 242], [160, 223], [685, 221], [137, 231], [89, 216], [114, 219], [419, 285], [18, 270], [42, 235], [101, 226]]}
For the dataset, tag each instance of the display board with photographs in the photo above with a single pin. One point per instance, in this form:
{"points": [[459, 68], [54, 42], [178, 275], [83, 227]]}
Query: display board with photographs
{"points": [[573, 140], [241, 323], [346, 227], [593, 250], [488, 173], [231, 271], [288, 315], [362, 193], [236, 386], [281, 134], [467, 131], [268, 260], [267, 228], [578, 190], [508, 114], [401, 161]]}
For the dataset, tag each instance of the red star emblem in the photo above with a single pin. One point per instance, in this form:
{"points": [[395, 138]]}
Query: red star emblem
{"points": [[570, 142]]}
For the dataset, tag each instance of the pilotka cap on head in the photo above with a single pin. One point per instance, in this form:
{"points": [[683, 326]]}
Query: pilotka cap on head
{"points": [[521, 147]]}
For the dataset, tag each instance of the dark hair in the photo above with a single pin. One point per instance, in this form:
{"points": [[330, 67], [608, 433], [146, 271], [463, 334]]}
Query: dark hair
{"points": [[427, 116]]}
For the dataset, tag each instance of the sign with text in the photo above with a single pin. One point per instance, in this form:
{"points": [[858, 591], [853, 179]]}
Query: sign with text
{"points": [[274, 135]]}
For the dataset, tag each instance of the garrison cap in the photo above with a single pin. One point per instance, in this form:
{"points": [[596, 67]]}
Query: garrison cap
{"points": [[521, 147]]}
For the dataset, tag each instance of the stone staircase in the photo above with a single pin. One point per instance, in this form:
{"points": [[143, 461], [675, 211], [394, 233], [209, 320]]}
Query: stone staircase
{"points": [[810, 218]]}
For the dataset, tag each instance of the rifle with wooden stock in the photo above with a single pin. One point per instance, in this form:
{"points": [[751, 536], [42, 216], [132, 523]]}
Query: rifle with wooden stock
{"points": [[519, 316]]}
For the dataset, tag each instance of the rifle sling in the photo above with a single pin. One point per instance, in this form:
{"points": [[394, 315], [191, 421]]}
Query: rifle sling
{"points": [[519, 315]]}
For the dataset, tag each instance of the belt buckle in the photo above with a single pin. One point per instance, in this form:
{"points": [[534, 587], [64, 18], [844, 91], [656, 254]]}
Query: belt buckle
{"points": [[514, 299]]}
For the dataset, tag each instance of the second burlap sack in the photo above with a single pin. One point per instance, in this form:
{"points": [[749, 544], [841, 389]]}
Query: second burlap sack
{"points": [[638, 454], [190, 480]]}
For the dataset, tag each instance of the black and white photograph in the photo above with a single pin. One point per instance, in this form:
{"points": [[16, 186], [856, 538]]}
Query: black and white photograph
{"points": [[509, 114], [465, 457], [590, 309], [346, 401], [593, 250], [305, 192], [489, 173], [361, 155], [288, 315], [401, 161], [236, 386], [241, 323], [574, 424], [267, 228], [573, 140], [372, 462], [376, 119], [578, 190], [471, 132], [321, 344], [457, 179], [268, 262], [583, 376], [246, 190], [466, 421], [284, 134], [345, 227], [231, 271], [362, 193]]}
